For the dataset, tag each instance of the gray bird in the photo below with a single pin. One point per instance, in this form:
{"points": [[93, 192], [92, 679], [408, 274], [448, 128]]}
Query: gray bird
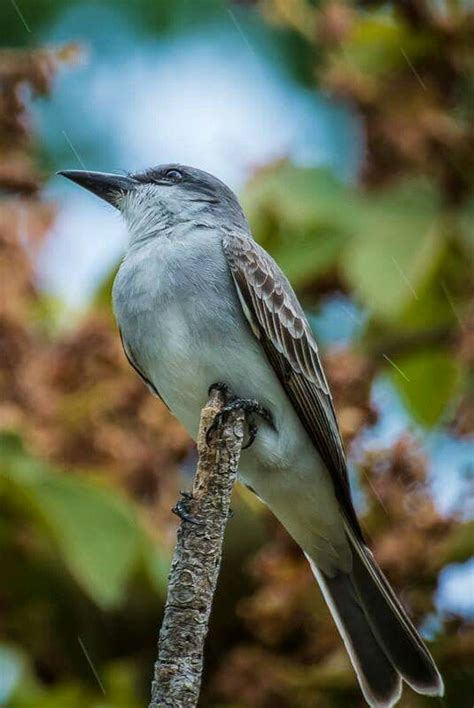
{"points": [[198, 303]]}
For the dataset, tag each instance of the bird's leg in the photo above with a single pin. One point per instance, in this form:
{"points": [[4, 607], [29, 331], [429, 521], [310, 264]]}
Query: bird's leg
{"points": [[182, 510], [249, 406]]}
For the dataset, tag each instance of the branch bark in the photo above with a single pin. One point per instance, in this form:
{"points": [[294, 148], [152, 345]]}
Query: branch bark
{"points": [[196, 564]]}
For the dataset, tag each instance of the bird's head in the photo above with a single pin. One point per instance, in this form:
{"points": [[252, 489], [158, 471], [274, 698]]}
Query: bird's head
{"points": [[160, 198]]}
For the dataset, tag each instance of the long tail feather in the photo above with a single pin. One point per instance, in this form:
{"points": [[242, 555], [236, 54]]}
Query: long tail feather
{"points": [[380, 683], [381, 641], [392, 626]]}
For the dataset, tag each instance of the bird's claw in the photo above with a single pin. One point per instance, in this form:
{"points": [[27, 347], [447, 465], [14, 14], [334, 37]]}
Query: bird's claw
{"points": [[248, 405], [181, 509], [252, 431], [223, 388], [219, 419]]}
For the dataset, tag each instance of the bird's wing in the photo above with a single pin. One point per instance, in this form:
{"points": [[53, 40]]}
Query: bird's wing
{"points": [[277, 319], [132, 360]]}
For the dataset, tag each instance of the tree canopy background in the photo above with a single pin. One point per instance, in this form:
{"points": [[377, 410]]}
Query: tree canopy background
{"points": [[377, 239]]}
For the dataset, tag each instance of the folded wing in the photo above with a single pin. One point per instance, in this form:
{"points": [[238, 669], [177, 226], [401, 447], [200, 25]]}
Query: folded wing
{"points": [[277, 319]]}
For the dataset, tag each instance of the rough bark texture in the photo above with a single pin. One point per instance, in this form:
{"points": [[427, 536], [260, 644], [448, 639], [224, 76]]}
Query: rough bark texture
{"points": [[196, 564]]}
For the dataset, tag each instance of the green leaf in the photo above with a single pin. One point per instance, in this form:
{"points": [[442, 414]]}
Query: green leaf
{"points": [[430, 309], [396, 249], [459, 546], [466, 221], [94, 530], [103, 294], [427, 382], [314, 255], [377, 45], [299, 196], [296, 214]]}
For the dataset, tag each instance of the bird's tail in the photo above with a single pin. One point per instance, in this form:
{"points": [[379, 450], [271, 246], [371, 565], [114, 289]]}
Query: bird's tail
{"points": [[382, 642]]}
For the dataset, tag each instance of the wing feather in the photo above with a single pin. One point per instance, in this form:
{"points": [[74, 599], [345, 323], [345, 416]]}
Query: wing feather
{"points": [[277, 319], [132, 360]]}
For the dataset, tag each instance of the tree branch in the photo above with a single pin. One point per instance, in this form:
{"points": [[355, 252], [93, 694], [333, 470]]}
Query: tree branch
{"points": [[196, 563]]}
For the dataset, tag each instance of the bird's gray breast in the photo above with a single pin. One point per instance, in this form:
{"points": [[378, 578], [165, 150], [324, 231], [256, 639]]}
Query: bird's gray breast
{"points": [[179, 315]]}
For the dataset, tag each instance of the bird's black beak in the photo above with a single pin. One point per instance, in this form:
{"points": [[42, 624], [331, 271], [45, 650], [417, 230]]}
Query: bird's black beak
{"points": [[104, 185]]}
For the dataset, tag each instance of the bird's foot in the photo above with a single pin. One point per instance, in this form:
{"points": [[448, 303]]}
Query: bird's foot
{"points": [[249, 406], [223, 388], [182, 510]]}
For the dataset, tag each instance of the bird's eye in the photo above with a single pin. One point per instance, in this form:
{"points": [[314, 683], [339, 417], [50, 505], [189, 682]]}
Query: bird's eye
{"points": [[174, 175]]}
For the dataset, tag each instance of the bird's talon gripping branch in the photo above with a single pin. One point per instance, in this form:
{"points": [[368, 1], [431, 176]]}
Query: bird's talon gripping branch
{"points": [[223, 388], [248, 406], [181, 509], [216, 423], [252, 430]]}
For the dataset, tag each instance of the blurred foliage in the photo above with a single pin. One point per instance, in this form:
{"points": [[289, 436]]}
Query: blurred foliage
{"points": [[94, 531], [151, 17], [91, 464]]}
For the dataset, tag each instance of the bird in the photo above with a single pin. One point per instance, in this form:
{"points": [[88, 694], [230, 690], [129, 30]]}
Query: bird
{"points": [[200, 304]]}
